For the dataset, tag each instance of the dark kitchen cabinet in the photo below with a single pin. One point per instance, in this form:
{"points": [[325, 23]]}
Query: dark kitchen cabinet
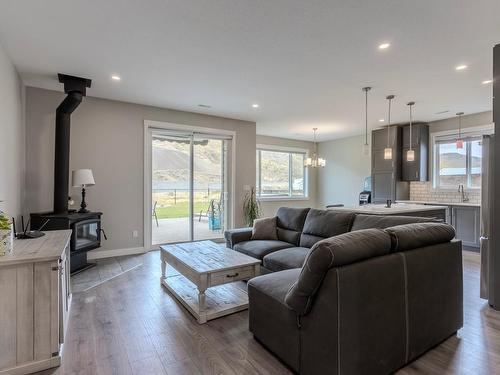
{"points": [[466, 221], [416, 170], [386, 174]]}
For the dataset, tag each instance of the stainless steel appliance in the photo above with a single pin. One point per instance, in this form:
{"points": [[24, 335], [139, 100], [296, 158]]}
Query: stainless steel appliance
{"points": [[365, 196], [486, 244]]}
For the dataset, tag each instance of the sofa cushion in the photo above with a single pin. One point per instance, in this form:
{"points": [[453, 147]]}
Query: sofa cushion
{"points": [[270, 320], [362, 221], [333, 252], [275, 285], [412, 236], [322, 224], [290, 222], [260, 248], [286, 259], [265, 229]]}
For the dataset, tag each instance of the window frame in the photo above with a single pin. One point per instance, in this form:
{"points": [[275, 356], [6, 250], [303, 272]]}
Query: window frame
{"points": [[436, 137], [258, 174]]}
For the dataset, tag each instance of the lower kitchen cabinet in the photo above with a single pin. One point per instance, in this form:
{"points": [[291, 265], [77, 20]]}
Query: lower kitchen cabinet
{"points": [[466, 221]]}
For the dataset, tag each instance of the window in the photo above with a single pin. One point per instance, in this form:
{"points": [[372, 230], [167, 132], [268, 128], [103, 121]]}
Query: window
{"points": [[281, 174], [457, 166]]}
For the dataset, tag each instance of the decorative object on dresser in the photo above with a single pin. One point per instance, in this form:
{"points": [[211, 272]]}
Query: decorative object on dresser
{"points": [[35, 298], [206, 286], [6, 233], [83, 178]]}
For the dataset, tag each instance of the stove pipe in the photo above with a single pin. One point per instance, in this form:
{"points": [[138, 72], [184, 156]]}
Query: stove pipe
{"points": [[75, 87]]}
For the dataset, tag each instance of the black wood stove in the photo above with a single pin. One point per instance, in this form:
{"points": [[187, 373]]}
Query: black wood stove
{"points": [[86, 233], [86, 227]]}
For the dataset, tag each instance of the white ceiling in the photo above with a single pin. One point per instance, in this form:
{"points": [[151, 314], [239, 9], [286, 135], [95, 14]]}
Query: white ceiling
{"points": [[304, 62]]}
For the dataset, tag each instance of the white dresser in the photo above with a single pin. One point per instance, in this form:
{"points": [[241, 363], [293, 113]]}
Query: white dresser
{"points": [[35, 297]]}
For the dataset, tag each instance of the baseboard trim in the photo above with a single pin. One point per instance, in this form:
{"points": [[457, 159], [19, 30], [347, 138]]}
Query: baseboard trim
{"points": [[101, 254]]}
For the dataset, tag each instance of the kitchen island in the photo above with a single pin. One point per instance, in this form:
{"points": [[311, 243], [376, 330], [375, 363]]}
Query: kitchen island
{"points": [[399, 209]]}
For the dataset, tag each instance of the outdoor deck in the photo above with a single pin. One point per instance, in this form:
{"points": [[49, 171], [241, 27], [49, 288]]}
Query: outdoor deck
{"points": [[177, 230]]}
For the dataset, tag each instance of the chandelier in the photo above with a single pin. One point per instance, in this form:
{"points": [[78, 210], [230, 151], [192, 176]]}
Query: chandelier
{"points": [[315, 161]]}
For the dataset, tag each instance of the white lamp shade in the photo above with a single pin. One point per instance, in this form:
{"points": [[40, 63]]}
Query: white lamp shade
{"points": [[83, 177], [410, 155], [366, 149], [387, 153]]}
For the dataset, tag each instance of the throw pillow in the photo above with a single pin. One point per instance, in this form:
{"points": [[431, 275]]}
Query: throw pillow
{"points": [[265, 229]]}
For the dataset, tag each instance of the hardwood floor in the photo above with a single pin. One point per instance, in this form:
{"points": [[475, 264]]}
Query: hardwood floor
{"points": [[131, 325]]}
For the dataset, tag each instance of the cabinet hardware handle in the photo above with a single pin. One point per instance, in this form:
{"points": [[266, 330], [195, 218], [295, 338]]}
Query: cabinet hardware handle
{"points": [[233, 275]]}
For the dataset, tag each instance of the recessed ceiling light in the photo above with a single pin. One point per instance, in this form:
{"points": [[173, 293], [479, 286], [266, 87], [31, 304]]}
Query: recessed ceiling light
{"points": [[255, 105], [461, 67], [487, 81], [384, 45], [115, 77], [381, 120]]}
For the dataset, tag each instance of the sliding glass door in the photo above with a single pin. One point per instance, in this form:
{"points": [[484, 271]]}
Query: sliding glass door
{"points": [[190, 175]]}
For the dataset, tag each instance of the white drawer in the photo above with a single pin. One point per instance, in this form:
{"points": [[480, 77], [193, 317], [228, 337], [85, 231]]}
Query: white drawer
{"points": [[224, 277]]}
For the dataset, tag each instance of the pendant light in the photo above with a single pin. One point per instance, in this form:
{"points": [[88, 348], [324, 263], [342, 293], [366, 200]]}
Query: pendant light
{"points": [[388, 149], [315, 161], [460, 141], [366, 146], [410, 154]]}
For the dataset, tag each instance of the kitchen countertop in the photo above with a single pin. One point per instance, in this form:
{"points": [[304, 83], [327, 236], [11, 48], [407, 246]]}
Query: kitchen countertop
{"points": [[464, 204], [396, 208]]}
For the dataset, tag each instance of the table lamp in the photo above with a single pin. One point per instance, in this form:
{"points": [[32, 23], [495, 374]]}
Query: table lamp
{"points": [[83, 178]]}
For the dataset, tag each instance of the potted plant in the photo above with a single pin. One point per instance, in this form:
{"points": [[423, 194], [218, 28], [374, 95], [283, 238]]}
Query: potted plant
{"points": [[251, 207], [6, 234]]}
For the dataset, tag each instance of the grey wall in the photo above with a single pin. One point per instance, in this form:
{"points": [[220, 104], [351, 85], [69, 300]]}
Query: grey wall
{"points": [[11, 138], [108, 137], [468, 121], [269, 207], [341, 180]]}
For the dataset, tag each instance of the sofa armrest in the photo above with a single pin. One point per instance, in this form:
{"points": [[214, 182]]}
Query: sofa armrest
{"points": [[235, 236]]}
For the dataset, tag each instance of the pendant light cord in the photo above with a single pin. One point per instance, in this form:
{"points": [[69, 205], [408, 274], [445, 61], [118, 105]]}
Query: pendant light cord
{"points": [[315, 144], [366, 89], [410, 104], [459, 126], [410, 128], [390, 97]]}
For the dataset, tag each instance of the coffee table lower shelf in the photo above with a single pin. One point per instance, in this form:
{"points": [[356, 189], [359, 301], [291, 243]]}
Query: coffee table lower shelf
{"points": [[220, 300]]}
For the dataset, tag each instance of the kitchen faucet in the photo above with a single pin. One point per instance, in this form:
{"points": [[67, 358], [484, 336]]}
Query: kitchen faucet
{"points": [[463, 195]]}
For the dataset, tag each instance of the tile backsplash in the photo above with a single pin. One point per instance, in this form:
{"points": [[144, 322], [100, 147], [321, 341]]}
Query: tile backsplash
{"points": [[423, 191]]}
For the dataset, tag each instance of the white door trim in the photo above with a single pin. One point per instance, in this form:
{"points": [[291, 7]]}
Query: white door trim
{"points": [[149, 125]]}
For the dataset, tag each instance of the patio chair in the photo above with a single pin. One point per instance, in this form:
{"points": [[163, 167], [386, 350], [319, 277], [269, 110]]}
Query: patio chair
{"points": [[214, 204], [154, 213]]}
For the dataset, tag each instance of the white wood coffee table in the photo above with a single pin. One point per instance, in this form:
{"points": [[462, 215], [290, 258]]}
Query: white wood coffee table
{"points": [[206, 285]]}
